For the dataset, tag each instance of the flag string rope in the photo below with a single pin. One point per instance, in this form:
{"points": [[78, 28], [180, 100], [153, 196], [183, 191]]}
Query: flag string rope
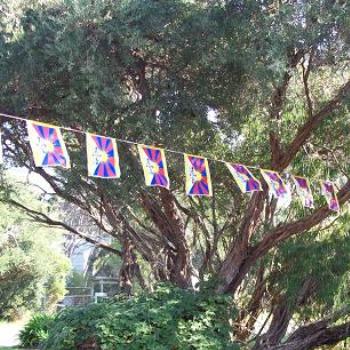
{"points": [[199, 176], [9, 116]]}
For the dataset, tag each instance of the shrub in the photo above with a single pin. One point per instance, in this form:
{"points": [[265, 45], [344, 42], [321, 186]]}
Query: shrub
{"points": [[33, 267], [36, 330], [169, 318]]}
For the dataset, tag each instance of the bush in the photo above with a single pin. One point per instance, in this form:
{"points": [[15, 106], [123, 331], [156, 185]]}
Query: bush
{"points": [[36, 330], [169, 318], [33, 267]]}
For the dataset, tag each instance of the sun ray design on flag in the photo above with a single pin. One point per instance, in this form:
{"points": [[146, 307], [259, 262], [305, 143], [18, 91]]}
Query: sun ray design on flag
{"points": [[328, 191], [198, 181], [246, 181], [47, 145], [154, 166], [275, 183], [102, 155], [304, 191]]}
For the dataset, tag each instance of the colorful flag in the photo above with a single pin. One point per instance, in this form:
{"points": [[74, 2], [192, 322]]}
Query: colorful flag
{"points": [[304, 191], [47, 145], [274, 182], [198, 182], [244, 178], [328, 191], [154, 166], [102, 157]]}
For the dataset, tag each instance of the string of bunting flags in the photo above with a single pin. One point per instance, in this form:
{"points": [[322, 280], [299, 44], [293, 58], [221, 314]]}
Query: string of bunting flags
{"points": [[49, 150]]}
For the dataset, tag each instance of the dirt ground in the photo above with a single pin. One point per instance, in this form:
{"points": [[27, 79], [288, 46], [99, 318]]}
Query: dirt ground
{"points": [[9, 333]]}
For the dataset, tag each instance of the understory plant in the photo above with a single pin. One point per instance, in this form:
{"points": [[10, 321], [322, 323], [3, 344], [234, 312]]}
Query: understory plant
{"points": [[36, 330], [169, 318]]}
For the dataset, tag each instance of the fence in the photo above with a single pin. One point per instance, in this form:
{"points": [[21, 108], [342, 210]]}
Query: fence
{"points": [[101, 288]]}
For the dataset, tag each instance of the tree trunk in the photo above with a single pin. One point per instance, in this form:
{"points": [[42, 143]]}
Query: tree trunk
{"points": [[169, 222], [234, 268], [129, 269], [247, 316], [313, 336], [282, 314]]}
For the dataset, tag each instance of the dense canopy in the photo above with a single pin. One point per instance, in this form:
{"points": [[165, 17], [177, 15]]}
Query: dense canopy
{"points": [[260, 82]]}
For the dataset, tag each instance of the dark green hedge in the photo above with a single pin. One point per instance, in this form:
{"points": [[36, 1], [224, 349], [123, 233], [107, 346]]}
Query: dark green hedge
{"points": [[169, 318]]}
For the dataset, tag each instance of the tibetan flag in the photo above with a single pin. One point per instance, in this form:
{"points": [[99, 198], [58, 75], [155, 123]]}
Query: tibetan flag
{"points": [[328, 191], [102, 157], [244, 178], [275, 183], [47, 145], [304, 191], [198, 182], [154, 166]]}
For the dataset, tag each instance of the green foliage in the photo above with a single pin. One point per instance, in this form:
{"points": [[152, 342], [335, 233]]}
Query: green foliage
{"points": [[36, 330], [149, 71], [169, 318], [321, 256], [32, 265], [77, 279]]}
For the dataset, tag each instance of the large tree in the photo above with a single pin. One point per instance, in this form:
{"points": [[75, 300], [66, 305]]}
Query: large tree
{"points": [[274, 78]]}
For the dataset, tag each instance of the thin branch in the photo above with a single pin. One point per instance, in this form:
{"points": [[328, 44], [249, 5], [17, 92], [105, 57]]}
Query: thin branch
{"points": [[45, 219], [311, 124], [283, 232], [306, 74]]}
